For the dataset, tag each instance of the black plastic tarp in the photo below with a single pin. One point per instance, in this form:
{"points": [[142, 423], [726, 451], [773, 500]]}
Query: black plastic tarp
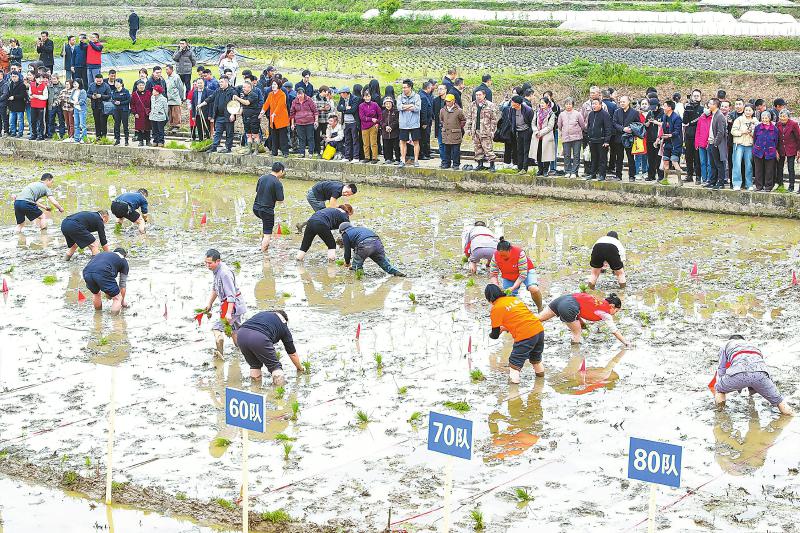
{"points": [[128, 59]]}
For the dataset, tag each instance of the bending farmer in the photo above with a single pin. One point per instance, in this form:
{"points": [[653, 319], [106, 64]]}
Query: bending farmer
{"points": [[101, 275], [515, 269], [78, 228], [511, 315], [27, 204], [578, 308], [478, 242], [366, 245], [232, 308], [257, 339], [327, 191], [321, 224], [607, 252], [126, 204]]}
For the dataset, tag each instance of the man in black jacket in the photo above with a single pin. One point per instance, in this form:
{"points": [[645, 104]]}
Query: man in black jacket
{"points": [[133, 25], [44, 47], [99, 91], [348, 107], [425, 119], [485, 86], [691, 113], [623, 117], [599, 131], [219, 116]]}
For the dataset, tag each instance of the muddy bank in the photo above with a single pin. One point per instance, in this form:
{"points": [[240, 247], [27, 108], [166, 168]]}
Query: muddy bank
{"points": [[502, 183]]}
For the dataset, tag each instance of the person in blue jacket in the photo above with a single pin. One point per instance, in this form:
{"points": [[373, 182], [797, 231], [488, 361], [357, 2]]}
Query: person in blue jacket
{"points": [[101, 274], [126, 204], [364, 244], [79, 60]]}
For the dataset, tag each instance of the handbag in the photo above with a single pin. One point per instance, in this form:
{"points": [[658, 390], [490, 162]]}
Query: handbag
{"points": [[108, 107], [328, 153], [639, 146]]}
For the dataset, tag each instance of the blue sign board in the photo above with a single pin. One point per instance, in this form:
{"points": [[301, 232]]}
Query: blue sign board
{"points": [[655, 462], [450, 435], [245, 410]]}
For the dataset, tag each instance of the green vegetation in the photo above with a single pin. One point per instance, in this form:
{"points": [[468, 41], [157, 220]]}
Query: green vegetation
{"points": [[9, 270], [200, 146], [49, 279], [340, 262], [287, 449], [295, 409], [471, 282], [103, 341], [117, 229], [175, 145], [415, 417], [461, 407], [378, 360], [279, 392], [360, 274], [221, 442], [307, 366], [225, 504], [458, 276], [278, 516], [237, 265], [402, 390], [286, 294], [362, 417], [283, 437], [412, 297], [477, 519], [477, 375], [523, 495], [3, 454], [180, 496], [583, 286], [69, 478], [118, 485]]}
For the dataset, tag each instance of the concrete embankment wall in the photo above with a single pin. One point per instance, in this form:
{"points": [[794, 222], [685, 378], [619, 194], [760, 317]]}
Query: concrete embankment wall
{"points": [[634, 194]]}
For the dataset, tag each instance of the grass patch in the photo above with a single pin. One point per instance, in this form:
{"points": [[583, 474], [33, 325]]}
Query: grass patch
{"points": [[221, 442], [476, 375], [49, 279], [225, 504], [279, 516], [461, 407]]}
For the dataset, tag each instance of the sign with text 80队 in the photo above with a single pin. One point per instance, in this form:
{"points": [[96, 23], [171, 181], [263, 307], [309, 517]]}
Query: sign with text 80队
{"points": [[655, 462], [450, 435], [245, 410]]}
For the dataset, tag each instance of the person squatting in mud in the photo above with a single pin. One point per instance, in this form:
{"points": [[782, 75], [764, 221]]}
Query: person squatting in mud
{"points": [[27, 203], [326, 192], [576, 309], [126, 205], [607, 252], [742, 366], [510, 314], [364, 244], [232, 307], [77, 229], [257, 339], [513, 268], [478, 242], [100, 275], [321, 224]]}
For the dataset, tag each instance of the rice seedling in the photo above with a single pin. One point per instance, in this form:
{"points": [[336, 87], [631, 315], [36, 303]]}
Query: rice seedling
{"points": [[49, 279], [279, 392], [583, 286], [295, 409], [378, 360], [225, 504], [69, 478], [402, 390], [3, 454], [307, 366], [523, 495], [87, 462], [412, 297], [117, 485], [117, 229], [477, 519], [471, 282], [279, 516], [9, 270], [237, 265], [340, 262], [359, 274], [103, 341], [175, 145], [287, 294], [283, 437], [221, 442], [287, 449], [200, 146], [362, 417], [477, 375], [415, 417], [180, 496], [458, 276], [461, 407]]}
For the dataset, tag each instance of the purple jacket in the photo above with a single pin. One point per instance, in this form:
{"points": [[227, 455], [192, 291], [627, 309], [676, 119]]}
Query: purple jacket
{"points": [[765, 141], [366, 112], [304, 113]]}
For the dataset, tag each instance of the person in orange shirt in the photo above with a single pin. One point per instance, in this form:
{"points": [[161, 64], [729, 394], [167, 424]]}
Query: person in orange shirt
{"points": [[511, 315], [278, 112]]}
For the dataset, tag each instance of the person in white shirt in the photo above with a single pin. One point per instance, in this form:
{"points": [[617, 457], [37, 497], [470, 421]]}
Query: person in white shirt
{"points": [[334, 134], [478, 242], [607, 252]]}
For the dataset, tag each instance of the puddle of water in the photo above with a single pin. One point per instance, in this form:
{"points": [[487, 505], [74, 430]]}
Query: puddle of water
{"points": [[571, 427]]}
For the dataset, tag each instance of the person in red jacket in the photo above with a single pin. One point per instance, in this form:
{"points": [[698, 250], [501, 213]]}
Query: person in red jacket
{"points": [[788, 146], [94, 56], [510, 265], [576, 309], [38, 92]]}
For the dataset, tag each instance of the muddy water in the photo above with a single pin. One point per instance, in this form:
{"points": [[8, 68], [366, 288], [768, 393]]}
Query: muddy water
{"points": [[564, 438]]}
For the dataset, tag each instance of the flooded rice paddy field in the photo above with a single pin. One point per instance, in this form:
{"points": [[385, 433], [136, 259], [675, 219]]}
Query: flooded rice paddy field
{"points": [[562, 439]]}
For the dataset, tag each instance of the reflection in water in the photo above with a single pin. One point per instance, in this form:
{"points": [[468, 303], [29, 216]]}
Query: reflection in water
{"points": [[112, 347], [265, 287], [702, 304], [524, 421], [572, 380], [216, 389], [347, 298], [742, 456]]}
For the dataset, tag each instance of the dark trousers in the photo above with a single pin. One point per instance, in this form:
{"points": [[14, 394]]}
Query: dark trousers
{"points": [[653, 162], [4, 125], [599, 158], [452, 156], [222, 124], [305, 138], [351, 144], [158, 130], [279, 139], [37, 123], [781, 162], [142, 135], [692, 160], [425, 142], [80, 74], [187, 81], [202, 129], [316, 228], [132, 32], [52, 114], [522, 143], [764, 171], [391, 149], [718, 166], [100, 122], [619, 155], [121, 120], [372, 248], [319, 133]]}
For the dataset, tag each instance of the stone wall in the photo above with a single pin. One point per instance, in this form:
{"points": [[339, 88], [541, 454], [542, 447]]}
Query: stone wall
{"points": [[635, 194]]}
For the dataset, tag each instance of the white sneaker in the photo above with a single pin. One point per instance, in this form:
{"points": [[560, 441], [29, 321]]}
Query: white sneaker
{"points": [[752, 188], [278, 378], [513, 375]]}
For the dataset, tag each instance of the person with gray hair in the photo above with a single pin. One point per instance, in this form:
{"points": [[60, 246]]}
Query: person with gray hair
{"points": [[765, 152], [742, 366], [788, 146]]}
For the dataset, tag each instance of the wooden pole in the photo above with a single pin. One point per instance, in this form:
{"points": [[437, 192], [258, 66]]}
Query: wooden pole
{"points": [[448, 489], [651, 514], [110, 448], [245, 494]]}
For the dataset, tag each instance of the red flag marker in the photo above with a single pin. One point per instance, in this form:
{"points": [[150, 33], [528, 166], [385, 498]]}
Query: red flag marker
{"points": [[203, 220], [280, 232], [5, 285], [794, 278], [165, 310], [693, 273], [358, 331], [469, 345], [199, 318], [81, 296], [583, 365], [712, 383]]}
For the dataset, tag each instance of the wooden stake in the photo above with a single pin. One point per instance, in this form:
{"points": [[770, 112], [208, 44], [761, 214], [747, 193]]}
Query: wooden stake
{"points": [[651, 514], [448, 489], [110, 449], [245, 494]]}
